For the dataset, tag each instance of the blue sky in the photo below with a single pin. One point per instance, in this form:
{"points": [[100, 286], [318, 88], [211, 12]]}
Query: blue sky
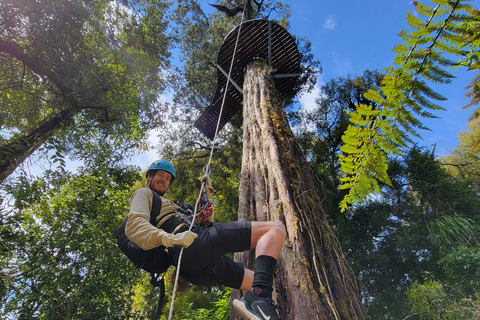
{"points": [[351, 36]]}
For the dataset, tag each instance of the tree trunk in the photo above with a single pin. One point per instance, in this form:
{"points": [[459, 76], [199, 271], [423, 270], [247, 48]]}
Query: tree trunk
{"points": [[312, 281], [17, 149]]}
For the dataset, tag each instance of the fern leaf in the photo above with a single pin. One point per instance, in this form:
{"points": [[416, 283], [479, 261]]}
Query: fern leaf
{"points": [[405, 93], [414, 22], [441, 2]]}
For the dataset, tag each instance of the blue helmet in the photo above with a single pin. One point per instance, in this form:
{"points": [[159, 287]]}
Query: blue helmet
{"points": [[162, 165]]}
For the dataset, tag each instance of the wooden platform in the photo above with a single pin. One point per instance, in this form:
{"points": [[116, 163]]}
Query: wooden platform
{"points": [[259, 40]]}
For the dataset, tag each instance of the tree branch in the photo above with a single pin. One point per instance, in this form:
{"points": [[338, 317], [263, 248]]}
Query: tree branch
{"points": [[230, 12], [15, 50]]}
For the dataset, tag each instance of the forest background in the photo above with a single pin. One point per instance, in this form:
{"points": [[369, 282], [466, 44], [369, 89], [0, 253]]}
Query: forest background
{"points": [[57, 219]]}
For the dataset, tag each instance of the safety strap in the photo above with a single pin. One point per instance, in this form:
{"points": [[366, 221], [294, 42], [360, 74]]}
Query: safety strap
{"points": [[157, 281]]}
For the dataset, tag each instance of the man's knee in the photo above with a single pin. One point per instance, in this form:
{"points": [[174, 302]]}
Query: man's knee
{"points": [[280, 227], [273, 230]]}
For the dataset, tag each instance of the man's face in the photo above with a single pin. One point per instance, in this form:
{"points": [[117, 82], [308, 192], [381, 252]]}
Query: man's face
{"points": [[161, 181]]}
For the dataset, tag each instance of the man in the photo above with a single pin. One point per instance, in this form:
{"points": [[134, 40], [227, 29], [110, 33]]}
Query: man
{"points": [[203, 261]]}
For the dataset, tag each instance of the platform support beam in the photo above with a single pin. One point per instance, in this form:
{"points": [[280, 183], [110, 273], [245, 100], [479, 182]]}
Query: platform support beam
{"points": [[286, 75], [231, 80]]}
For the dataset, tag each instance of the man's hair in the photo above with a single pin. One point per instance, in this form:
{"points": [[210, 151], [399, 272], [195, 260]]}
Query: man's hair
{"points": [[151, 173]]}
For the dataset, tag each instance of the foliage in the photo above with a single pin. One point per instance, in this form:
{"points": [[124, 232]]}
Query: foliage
{"points": [[463, 161], [380, 128], [455, 293], [320, 131], [216, 306], [422, 229], [432, 301], [428, 300], [86, 72], [59, 258]]}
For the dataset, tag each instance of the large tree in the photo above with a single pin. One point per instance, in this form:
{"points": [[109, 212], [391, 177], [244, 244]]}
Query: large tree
{"points": [[313, 281], [276, 181], [86, 72]]}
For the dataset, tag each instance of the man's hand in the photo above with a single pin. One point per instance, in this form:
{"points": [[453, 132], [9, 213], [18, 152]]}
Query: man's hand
{"points": [[208, 182], [183, 239]]}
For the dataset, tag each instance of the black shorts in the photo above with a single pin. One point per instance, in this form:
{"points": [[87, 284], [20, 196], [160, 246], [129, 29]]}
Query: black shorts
{"points": [[204, 262]]}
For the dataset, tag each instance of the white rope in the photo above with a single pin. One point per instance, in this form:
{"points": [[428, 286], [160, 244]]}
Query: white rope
{"points": [[202, 189]]}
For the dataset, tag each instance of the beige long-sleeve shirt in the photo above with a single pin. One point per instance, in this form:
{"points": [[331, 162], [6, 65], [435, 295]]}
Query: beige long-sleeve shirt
{"points": [[139, 229]]}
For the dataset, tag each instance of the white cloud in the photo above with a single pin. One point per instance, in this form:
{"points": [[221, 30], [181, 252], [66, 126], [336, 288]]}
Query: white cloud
{"points": [[330, 24], [144, 159], [307, 100]]}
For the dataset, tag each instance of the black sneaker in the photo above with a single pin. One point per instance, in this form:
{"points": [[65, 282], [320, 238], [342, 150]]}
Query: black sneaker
{"points": [[251, 307]]}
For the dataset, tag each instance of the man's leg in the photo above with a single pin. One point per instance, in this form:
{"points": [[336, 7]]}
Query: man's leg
{"points": [[247, 280], [267, 238]]}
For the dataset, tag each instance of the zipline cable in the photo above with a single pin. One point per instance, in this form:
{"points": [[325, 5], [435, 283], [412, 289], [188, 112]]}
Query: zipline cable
{"points": [[202, 189]]}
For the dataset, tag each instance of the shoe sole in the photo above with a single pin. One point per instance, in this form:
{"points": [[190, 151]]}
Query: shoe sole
{"points": [[241, 308]]}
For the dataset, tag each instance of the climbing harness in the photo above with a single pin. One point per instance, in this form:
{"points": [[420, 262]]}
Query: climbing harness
{"points": [[208, 207]]}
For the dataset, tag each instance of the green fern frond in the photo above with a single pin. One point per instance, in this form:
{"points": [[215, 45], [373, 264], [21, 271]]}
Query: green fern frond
{"points": [[461, 17], [405, 94], [444, 61], [422, 86], [429, 115], [401, 49], [404, 35], [420, 102], [436, 74], [441, 2], [424, 31], [374, 96], [421, 40], [414, 22], [424, 10], [461, 5]]}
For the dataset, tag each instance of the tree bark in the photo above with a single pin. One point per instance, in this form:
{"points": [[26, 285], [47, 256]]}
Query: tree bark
{"points": [[17, 149], [312, 281]]}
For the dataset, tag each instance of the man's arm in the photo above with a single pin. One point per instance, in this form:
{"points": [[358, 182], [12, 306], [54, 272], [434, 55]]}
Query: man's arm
{"points": [[140, 231]]}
